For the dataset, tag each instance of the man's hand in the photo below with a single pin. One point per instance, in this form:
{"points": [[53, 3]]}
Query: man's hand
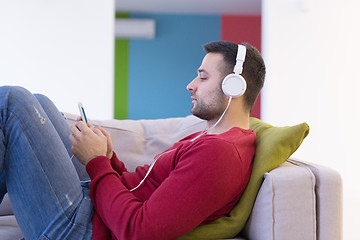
{"points": [[88, 142], [109, 152]]}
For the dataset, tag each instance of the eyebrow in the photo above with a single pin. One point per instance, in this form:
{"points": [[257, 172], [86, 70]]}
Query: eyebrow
{"points": [[201, 71]]}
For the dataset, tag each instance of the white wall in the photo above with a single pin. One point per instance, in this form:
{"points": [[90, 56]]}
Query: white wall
{"points": [[62, 48], [312, 49]]}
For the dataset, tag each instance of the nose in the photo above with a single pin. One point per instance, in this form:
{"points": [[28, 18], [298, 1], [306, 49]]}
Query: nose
{"points": [[191, 86]]}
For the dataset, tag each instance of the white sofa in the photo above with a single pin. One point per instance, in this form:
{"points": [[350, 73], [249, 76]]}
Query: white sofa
{"points": [[297, 200]]}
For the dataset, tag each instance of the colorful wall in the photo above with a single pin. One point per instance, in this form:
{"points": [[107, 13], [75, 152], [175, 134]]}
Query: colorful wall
{"points": [[151, 75]]}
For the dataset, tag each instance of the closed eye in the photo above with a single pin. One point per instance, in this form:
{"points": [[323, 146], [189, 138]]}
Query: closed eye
{"points": [[202, 74]]}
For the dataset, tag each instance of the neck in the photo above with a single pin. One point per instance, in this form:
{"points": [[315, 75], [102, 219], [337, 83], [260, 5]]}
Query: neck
{"points": [[230, 119], [226, 124]]}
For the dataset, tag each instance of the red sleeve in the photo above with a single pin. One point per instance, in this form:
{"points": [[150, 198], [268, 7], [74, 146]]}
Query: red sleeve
{"points": [[204, 180], [117, 165]]}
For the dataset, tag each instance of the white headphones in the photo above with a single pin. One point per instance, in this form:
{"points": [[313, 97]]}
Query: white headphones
{"points": [[234, 85]]}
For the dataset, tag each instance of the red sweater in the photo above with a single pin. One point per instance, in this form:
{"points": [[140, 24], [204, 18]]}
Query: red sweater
{"points": [[196, 183]]}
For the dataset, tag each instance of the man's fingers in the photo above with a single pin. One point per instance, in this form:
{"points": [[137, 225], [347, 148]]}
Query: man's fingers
{"points": [[72, 138], [97, 131], [81, 125], [74, 130], [106, 133]]}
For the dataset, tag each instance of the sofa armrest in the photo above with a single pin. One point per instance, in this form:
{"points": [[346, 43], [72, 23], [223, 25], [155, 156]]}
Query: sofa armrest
{"points": [[329, 201], [285, 207], [297, 200]]}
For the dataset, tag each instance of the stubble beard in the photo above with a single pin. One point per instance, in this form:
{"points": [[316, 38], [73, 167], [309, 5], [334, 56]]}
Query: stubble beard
{"points": [[212, 109]]}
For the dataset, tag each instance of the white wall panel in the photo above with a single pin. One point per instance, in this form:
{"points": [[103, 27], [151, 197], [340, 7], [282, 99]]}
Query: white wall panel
{"points": [[63, 49], [311, 48]]}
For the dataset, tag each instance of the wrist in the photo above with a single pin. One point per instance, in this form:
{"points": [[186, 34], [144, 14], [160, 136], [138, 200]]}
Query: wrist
{"points": [[110, 154], [86, 161]]}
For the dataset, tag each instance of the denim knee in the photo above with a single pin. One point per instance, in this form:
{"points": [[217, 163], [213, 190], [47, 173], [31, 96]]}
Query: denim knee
{"points": [[18, 93], [42, 99]]}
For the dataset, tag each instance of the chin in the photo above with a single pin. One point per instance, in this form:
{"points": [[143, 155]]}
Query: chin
{"points": [[202, 116]]}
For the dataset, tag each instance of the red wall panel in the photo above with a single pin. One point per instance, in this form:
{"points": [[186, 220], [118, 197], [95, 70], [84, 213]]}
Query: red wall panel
{"points": [[240, 29]]}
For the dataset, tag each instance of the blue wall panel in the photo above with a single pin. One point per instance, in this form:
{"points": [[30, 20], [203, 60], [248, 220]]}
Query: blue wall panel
{"points": [[160, 69]]}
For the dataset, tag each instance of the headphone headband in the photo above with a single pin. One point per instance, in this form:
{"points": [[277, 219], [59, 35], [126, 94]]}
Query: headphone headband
{"points": [[240, 59]]}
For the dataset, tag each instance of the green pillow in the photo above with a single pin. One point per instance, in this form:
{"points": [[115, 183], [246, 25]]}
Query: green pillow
{"points": [[274, 145]]}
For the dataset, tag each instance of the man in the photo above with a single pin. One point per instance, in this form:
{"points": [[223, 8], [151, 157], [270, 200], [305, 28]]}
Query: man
{"points": [[199, 179]]}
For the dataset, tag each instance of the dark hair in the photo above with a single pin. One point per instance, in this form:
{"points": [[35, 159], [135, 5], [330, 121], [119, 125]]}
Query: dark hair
{"points": [[253, 68]]}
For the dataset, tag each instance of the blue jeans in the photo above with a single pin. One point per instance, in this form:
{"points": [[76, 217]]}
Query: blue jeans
{"points": [[46, 194]]}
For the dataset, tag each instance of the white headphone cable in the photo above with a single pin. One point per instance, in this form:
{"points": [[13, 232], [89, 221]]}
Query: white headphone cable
{"points": [[204, 132], [151, 167]]}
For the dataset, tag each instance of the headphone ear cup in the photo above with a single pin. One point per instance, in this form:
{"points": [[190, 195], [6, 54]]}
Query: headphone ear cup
{"points": [[234, 85]]}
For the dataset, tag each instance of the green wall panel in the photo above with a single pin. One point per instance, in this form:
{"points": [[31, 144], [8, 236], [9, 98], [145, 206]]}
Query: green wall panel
{"points": [[121, 75]]}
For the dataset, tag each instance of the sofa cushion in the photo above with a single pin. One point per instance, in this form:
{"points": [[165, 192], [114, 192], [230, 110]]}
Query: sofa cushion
{"points": [[9, 229], [136, 142], [274, 145], [5, 206]]}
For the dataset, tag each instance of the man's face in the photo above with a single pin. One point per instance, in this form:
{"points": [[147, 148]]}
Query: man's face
{"points": [[207, 97]]}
